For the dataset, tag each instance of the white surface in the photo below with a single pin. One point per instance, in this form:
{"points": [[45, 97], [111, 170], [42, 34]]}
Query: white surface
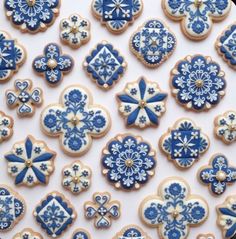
{"points": [[129, 201]]}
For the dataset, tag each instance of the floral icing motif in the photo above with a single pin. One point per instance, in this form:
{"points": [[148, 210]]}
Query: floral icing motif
{"points": [[117, 14], [76, 177], [196, 16], [76, 120], [55, 214], [75, 31], [28, 234], [12, 208], [24, 98], [174, 210], [12, 56], [6, 127], [30, 162], [128, 162], [32, 15], [205, 236], [218, 174], [225, 127], [81, 234], [198, 83], [142, 103], [226, 45], [184, 143], [153, 43], [102, 210], [53, 64], [105, 65]]}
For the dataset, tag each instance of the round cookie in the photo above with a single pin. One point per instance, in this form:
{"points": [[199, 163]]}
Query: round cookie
{"points": [[81, 234], [6, 127], [28, 233]]}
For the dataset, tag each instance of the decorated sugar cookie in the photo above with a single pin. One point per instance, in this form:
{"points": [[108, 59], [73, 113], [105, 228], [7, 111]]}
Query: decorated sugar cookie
{"points": [[173, 210], [24, 97], [184, 143], [226, 46], [117, 15], [81, 234], [142, 103], [205, 236], [75, 31], [102, 210], [225, 127], [55, 214], [75, 120], [105, 65], [198, 83], [30, 162], [32, 15], [12, 208], [27, 233], [153, 43], [53, 65], [12, 56], [128, 162], [6, 127], [196, 16]]}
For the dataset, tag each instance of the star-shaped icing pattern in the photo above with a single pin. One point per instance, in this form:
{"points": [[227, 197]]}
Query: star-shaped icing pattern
{"points": [[28, 233]]}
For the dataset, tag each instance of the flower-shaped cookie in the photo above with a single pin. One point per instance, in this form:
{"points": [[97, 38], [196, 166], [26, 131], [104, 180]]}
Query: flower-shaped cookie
{"points": [[153, 43], [105, 65], [6, 127], [205, 236], [32, 15], [225, 127], [12, 56], [75, 120], [53, 64], [142, 103], [102, 210], [25, 98], [226, 45], [128, 162], [217, 175], [75, 31], [184, 143], [174, 210], [30, 162], [27, 234], [196, 16], [55, 214], [76, 177], [117, 14], [198, 83], [12, 208], [81, 234], [226, 220]]}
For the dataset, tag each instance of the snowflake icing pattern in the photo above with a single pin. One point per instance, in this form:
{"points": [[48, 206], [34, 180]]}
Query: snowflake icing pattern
{"points": [[81, 234], [174, 210], [132, 232], [196, 16], [6, 127], [153, 43], [28, 234], [128, 162]]}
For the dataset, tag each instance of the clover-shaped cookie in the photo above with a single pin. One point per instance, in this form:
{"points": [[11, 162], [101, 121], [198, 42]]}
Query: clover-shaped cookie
{"points": [[196, 16], [174, 210], [102, 210], [12, 56], [28, 233], [81, 234], [6, 127], [75, 120], [117, 14], [24, 97], [153, 43], [32, 15], [184, 143], [53, 64]]}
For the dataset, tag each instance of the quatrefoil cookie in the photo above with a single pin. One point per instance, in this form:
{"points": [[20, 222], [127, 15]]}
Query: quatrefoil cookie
{"points": [[174, 209], [6, 127], [12, 56], [184, 143], [55, 214], [30, 162], [32, 15], [75, 120], [81, 234], [116, 15], [153, 43], [28, 233], [24, 97], [105, 65], [12, 208], [196, 16], [53, 65]]}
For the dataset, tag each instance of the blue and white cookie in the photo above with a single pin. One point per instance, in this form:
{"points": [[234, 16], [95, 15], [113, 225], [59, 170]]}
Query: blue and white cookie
{"points": [[6, 127], [81, 234], [28, 233]]}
